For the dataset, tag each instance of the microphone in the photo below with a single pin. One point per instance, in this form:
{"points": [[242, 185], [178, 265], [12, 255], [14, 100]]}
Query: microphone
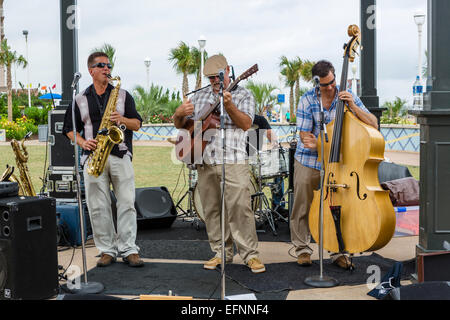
{"points": [[76, 78], [316, 81], [221, 75]]}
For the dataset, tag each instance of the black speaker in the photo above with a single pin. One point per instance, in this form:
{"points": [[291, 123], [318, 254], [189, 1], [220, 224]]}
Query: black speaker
{"points": [[433, 266], [421, 291], [154, 208], [28, 251], [391, 171]]}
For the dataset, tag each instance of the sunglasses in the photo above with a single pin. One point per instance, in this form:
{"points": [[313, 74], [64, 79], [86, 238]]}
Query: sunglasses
{"points": [[101, 65], [213, 77], [323, 85]]}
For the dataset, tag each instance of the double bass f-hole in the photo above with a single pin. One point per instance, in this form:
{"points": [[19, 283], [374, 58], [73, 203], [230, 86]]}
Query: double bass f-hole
{"points": [[358, 186]]}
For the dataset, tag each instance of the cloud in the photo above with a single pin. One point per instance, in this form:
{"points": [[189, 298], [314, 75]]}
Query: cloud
{"points": [[247, 32]]}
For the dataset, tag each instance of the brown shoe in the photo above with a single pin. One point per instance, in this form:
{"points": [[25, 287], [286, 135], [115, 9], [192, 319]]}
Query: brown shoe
{"points": [[133, 260], [105, 260], [304, 260], [256, 266], [344, 263]]}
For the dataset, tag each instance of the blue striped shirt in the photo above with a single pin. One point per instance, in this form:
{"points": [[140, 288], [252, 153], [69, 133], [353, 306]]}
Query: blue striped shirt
{"points": [[308, 120]]}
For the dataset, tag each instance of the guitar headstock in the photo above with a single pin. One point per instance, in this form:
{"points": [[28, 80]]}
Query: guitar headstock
{"points": [[247, 74], [351, 48]]}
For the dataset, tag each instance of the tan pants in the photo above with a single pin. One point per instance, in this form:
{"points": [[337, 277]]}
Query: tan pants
{"points": [[306, 180], [239, 217]]}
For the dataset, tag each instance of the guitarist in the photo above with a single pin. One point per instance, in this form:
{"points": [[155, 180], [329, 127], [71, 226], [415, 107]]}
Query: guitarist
{"points": [[239, 111]]}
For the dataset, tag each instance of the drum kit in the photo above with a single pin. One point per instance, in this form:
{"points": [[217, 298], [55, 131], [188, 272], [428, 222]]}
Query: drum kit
{"points": [[268, 169]]}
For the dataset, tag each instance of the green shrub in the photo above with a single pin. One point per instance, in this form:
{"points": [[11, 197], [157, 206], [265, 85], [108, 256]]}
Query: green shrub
{"points": [[18, 129]]}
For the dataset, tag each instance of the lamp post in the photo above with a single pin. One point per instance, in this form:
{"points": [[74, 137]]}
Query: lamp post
{"points": [[148, 63], [25, 33], [419, 18], [202, 44]]}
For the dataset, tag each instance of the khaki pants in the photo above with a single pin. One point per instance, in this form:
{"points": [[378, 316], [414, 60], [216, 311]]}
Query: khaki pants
{"points": [[239, 217], [306, 180], [118, 172]]}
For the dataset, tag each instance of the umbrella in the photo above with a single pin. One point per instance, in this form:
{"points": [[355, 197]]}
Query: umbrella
{"points": [[50, 96]]}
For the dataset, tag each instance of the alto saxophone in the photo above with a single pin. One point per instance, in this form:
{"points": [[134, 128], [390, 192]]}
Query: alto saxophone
{"points": [[25, 185], [108, 135]]}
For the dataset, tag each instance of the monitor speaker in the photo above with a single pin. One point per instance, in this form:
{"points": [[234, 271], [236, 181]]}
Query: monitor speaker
{"points": [[433, 266], [28, 250], [154, 208], [434, 290]]}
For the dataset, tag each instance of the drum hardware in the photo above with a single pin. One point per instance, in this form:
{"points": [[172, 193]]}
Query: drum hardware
{"points": [[191, 212], [264, 210]]}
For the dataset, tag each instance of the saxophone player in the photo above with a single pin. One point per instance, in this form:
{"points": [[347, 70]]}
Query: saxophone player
{"points": [[90, 107]]}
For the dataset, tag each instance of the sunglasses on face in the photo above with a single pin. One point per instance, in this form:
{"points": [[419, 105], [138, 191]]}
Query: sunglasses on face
{"points": [[101, 65], [213, 77], [323, 85]]}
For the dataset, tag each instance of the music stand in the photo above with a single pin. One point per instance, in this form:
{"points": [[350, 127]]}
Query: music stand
{"points": [[321, 281]]}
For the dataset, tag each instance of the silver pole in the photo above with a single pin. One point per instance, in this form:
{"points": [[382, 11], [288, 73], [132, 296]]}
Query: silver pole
{"points": [[93, 287]]}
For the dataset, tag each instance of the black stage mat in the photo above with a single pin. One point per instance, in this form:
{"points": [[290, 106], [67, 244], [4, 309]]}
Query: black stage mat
{"points": [[182, 279], [175, 249], [291, 276], [187, 230], [193, 280]]}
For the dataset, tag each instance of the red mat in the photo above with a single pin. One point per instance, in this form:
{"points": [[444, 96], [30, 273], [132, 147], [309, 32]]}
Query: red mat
{"points": [[407, 221]]}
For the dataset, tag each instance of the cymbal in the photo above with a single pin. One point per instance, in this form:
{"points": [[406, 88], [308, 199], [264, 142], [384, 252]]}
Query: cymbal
{"points": [[172, 140]]}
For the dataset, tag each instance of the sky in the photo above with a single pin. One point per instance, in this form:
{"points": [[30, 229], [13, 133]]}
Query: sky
{"points": [[246, 32]]}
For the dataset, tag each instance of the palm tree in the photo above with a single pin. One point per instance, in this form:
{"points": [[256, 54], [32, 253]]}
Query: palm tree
{"points": [[290, 73], [155, 101], [7, 59], [263, 95], [305, 73], [110, 51], [183, 61], [395, 113]]}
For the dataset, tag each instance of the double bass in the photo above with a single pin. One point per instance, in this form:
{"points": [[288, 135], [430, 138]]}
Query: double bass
{"points": [[358, 215]]}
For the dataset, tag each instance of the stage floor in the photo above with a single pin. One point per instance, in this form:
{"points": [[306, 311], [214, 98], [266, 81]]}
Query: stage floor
{"points": [[401, 248]]}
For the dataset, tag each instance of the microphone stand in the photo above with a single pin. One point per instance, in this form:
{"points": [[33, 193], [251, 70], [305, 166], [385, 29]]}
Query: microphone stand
{"points": [[222, 134], [85, 287], [321, 281]]}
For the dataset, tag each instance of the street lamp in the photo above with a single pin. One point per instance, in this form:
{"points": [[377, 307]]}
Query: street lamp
{"points": [[202, 44], [419, 18], [25, 33], [147, 63]]}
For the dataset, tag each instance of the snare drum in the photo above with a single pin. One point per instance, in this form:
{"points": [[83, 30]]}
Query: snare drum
{"points": [[274, 163]]}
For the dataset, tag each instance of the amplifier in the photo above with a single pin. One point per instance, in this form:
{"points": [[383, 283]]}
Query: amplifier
{"points": [[62, 153], [62, 183], [69, 223]]}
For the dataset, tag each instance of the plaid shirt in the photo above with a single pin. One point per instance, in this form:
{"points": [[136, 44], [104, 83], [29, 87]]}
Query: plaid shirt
{"points": [[308, 120], [235, 138]]}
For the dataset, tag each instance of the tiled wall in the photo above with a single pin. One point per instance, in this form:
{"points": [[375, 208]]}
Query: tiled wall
{"points": [[398, 138]]}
